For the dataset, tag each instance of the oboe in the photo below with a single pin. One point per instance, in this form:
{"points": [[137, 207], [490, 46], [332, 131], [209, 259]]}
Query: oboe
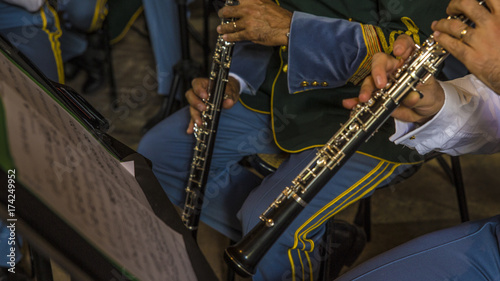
{"points": [[205, 133], [363, 122]]}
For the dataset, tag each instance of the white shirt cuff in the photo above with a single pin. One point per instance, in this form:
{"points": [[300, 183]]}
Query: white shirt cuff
{"points": [[244, 86], [434, 132]]}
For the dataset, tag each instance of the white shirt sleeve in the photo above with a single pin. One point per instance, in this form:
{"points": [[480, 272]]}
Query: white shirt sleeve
{"points": [[469, 122]]}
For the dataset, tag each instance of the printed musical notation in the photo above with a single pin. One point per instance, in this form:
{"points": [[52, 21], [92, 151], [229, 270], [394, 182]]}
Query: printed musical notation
{"points": [[72, 173]]}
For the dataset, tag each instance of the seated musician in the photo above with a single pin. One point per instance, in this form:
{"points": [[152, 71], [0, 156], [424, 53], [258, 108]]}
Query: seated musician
{"points": [[456, 117], [293, 64]]}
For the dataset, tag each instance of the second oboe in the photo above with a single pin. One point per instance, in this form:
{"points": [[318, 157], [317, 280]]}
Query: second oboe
{"points": [[205, 134]]}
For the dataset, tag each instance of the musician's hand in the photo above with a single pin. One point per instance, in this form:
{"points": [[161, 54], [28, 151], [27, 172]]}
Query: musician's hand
{"points": [[478, 48], [199, 92], [232, 94], [414, 108], [260, 21]]}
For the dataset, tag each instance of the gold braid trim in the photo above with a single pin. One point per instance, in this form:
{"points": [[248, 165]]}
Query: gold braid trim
{"points": [[372, 46], [374, 37]]}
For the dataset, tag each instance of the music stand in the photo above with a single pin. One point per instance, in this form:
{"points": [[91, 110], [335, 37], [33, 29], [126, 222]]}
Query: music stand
{"points": [[41, 218]]}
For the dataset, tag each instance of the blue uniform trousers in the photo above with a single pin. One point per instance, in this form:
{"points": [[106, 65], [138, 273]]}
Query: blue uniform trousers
{"points": [[235, 197], [46, 39], [469, 251]]}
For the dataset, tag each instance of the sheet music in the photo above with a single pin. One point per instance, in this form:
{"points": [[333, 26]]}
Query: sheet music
{"points": [[68, 169]]}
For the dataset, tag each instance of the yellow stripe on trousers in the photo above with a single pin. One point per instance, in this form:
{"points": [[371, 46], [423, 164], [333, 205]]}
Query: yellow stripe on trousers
{"points": [[54, 41], [351, 195]]}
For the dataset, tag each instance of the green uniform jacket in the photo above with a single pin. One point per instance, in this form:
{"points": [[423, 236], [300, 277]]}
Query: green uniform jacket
{"points": [[329, 53]]}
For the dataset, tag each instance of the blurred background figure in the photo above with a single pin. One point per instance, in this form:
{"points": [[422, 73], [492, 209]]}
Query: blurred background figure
{"points": [[50, 34], [169, 36], [162, 17]]}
